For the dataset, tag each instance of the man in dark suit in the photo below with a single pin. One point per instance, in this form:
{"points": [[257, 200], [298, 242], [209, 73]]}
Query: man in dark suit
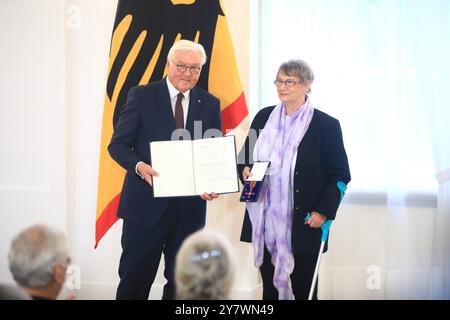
{"points": [[152, 226]]}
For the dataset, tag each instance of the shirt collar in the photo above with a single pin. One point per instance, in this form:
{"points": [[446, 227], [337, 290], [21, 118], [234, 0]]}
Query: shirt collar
{"points": [[173, 92]]}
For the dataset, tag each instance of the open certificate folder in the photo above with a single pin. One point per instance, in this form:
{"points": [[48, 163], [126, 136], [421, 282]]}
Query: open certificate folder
{"points": [[193, 167]]}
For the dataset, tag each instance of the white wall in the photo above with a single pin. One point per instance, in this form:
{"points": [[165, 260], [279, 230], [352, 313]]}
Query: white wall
{"points": [[88, 40], [32, 118]]}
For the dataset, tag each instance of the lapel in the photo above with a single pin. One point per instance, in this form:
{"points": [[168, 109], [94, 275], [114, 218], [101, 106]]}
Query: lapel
{"points": [[165, 107], [309, 139], [194, 112]]}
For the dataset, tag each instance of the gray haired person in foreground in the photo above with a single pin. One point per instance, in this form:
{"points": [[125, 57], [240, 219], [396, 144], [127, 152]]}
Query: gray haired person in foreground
{"points": [[38, 261], [205, 267]]}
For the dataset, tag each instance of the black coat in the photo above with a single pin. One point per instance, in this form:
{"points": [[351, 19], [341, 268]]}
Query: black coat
{"points": [[321, 163], [147, 116]]}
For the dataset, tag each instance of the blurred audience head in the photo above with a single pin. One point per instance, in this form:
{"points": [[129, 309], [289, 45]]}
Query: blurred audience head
{"points": [[38, 260], [205, 267]]}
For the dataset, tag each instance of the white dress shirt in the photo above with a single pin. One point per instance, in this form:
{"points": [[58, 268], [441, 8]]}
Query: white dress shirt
{"points": [[173, 94]]}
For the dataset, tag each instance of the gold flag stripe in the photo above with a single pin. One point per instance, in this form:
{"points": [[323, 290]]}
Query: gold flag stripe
{"points": [[151, 66], [129, 61], [117, 39]]}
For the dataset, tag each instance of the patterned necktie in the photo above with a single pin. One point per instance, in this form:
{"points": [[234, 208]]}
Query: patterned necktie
{"points": [[179, 117]]}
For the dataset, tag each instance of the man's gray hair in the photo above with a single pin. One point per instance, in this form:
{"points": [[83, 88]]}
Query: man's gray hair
{"points": [[34, 254], [297, 68], [187, 45]]}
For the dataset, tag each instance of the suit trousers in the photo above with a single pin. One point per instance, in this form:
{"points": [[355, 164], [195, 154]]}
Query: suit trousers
{"points": [[142, 247], [301, 277]]}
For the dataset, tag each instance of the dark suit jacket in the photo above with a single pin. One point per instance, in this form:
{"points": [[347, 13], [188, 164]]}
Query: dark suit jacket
{"points": [[147, 116], [321, 162]]}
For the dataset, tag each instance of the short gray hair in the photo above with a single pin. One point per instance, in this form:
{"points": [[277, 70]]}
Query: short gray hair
{"points": [[34, 253], [205, 267], [187, 45], [297, 68]]}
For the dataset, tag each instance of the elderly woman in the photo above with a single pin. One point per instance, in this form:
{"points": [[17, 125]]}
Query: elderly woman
{"points": [[307, 159], [205, 267]]}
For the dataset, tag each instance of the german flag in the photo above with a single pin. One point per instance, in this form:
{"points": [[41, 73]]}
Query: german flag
{"points": [[144, 31]]}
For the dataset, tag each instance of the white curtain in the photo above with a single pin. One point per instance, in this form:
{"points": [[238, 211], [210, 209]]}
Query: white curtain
{"points": [[437, 71], [382, 69]]}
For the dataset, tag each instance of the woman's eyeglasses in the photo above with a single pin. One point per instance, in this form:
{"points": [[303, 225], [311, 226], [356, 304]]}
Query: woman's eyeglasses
{"points": [[287, 83]]}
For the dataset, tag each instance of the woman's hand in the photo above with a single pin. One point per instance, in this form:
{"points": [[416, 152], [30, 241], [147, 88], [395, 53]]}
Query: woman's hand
{"points": [[246, 173], [316, 220]]}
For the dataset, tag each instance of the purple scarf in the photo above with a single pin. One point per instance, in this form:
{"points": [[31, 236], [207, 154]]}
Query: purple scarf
{"points": [[271, 215]]}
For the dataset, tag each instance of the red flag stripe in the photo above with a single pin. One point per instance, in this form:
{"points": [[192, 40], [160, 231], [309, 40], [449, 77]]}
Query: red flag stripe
{"points": [[233, 115], [106, 219]]}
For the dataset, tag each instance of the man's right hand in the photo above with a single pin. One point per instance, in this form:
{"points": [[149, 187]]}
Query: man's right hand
{"points": [[246, 173], [147, 172]]}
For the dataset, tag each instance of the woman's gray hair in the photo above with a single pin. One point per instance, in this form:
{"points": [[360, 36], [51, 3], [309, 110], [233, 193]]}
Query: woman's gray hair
{"points": [[205, 267], [297, 68], [34, 254], [187, 45]]}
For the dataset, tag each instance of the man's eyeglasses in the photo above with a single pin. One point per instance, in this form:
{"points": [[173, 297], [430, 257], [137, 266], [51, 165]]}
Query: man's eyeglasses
{"points": [[287, 83], [182, 68]]}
